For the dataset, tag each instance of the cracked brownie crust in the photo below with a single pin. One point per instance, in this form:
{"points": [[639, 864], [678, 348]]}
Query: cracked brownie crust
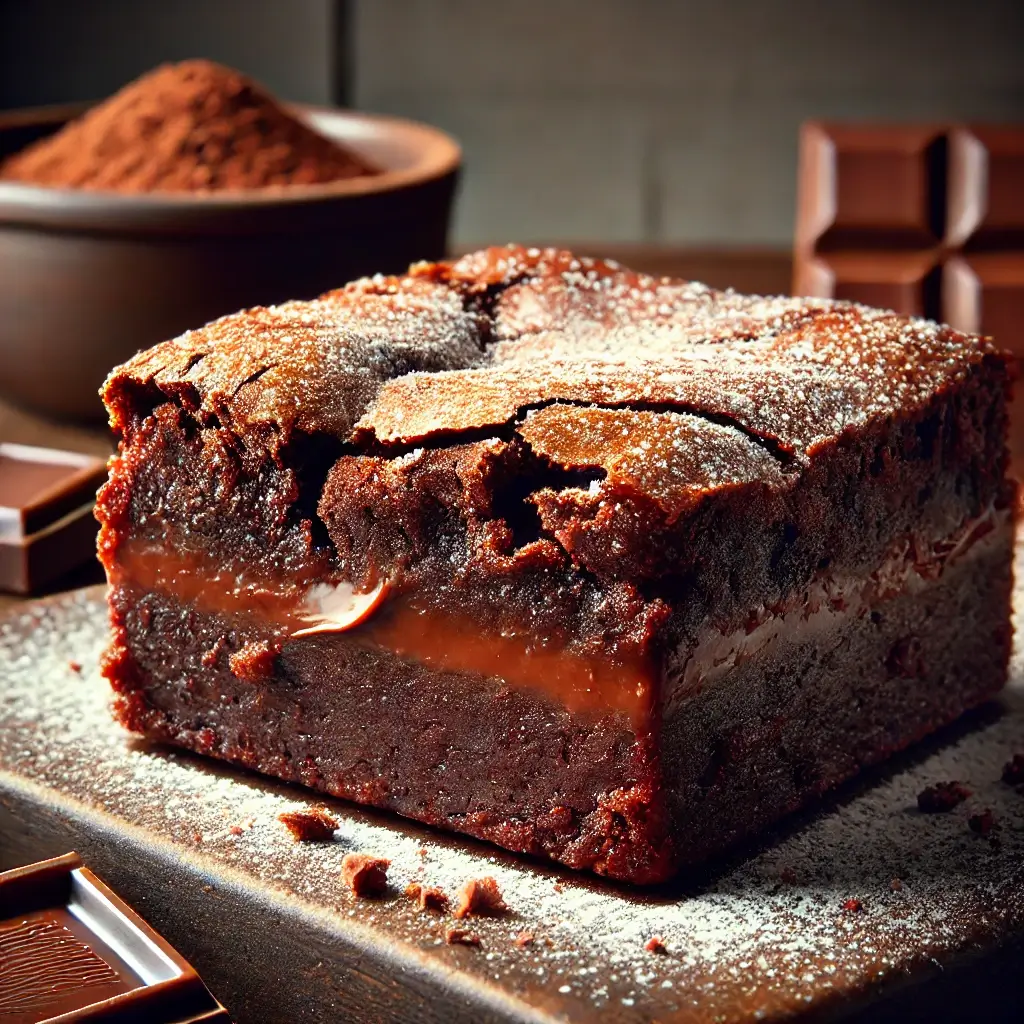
{"points": [[572, 494]]}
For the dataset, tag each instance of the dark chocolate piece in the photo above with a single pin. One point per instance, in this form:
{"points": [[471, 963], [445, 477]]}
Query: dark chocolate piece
{"points": [[70, 948], [526, 542], [46, 514]]}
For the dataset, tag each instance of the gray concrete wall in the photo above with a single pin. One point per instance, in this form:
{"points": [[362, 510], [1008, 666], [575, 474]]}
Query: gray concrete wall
{"points": [[673, 122], [582, 120], [53, 51]]}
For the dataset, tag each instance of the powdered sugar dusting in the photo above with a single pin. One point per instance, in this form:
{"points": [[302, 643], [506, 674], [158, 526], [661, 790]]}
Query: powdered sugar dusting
{"points": [[769, 934]]}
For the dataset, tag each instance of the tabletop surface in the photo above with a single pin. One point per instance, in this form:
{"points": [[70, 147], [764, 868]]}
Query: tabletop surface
{"points": [[763, 935]]}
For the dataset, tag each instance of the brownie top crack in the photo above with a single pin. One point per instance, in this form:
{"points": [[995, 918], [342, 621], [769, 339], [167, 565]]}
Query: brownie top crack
{"points": [[501, 339]]}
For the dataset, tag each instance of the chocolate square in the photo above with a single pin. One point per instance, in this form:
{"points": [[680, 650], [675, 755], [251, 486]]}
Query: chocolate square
{"points": [[46, 522], [72, 950], [874, 186], [986, 188]]}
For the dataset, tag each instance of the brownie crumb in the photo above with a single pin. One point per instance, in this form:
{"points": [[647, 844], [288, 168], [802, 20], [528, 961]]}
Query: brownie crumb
{"points": [[558, 887], [365, 874], [312, 826], [75, 666], [655, 944], [427, 897], [480, 896], [461, 937], [853, 906], [896, 885], [255, 661], [982, 823], [236, 830], [523, 939], [941, 797], [1013, 771]]}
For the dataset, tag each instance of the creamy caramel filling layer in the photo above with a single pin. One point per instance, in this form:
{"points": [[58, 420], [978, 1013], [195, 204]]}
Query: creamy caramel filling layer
{"points": [[300, 609], [443, 641]]}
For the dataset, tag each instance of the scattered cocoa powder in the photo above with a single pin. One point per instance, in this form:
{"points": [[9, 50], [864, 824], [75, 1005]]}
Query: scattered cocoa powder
{"points": [[312, 826], [427, 897], [188, 127], [461, 937], [1013, 770], [656, 944], [523, 939], [365, 874], [941, 797], [480, 896], [982, 823]]}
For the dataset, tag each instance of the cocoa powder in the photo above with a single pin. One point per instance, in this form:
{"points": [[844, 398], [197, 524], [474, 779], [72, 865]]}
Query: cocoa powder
{"points": [[188, 127]]}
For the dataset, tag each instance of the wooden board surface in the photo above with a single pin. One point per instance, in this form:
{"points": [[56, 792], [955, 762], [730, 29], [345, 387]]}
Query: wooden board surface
{"points": [[196, 847]]}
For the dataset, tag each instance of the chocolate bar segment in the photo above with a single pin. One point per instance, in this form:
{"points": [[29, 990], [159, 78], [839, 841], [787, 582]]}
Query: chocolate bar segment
{"points": [[871, 186], [926, 220], [72, 950], [46, 522], [986, 188], [906, 282]]}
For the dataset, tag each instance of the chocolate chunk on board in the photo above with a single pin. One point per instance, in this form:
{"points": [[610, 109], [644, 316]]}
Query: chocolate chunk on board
{"points": [[71, 948]]}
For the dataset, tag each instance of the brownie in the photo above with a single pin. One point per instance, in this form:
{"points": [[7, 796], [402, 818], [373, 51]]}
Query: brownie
{"points": [[612, 569]]}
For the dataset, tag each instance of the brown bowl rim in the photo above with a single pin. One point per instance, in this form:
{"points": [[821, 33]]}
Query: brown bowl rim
{"points": [[108, 211]]}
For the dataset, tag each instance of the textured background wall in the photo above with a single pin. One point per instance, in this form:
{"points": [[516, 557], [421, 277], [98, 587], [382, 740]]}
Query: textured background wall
{"points": [[52, 51], [659, 121], [582, 120]]}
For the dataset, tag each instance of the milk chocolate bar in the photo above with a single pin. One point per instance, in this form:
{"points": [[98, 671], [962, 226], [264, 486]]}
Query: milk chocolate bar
{"points": [[927, 220], [47, 526], [72, 950]]}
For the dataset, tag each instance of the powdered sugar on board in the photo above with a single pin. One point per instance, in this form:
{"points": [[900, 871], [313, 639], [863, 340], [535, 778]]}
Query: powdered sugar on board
{"points": [[862, 889]]}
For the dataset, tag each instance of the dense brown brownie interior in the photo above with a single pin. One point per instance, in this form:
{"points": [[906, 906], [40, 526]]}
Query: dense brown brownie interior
{"points": [[564, 472]]}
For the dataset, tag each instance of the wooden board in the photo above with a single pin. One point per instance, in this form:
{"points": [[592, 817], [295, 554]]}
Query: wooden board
{"points": [[196, 848]]}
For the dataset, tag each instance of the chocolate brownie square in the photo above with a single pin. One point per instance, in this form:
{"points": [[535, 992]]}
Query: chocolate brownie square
{"points": [[593, 565]]}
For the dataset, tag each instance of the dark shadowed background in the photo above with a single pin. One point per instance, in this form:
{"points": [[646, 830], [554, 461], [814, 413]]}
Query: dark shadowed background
{"points": [[620, 121]]}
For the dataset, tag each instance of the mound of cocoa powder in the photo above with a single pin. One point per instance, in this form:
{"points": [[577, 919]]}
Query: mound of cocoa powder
{"points": [[188, 127]]}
